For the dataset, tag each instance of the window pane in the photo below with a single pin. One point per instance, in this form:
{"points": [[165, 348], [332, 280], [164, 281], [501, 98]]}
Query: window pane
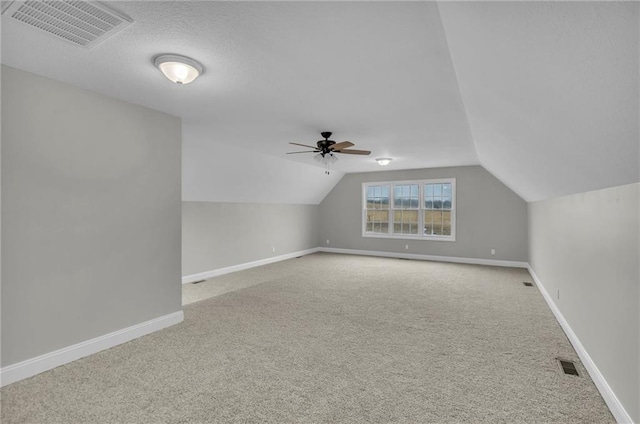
{"points": [[385, 191], [403, 197], [428, 203], [446, 190], [377, 215], [412, 218], [370, 192], [428, 190], [405, 222], [437, 223], [446, 223], [437, 189], [446, 203], [428, 225], [378, 191], [377, 221], [406, 196], [397, 221], [437, 203]]}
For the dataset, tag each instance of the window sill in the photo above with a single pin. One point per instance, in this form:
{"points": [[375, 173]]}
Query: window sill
{"points": [[409, 237]]}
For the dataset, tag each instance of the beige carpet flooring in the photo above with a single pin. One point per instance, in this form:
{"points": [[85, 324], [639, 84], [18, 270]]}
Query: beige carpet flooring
{"points": [[332, 339]]}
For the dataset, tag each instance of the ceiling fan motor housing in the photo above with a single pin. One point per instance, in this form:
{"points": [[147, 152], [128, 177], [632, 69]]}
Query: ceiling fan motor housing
{"points": [[323, 145]]}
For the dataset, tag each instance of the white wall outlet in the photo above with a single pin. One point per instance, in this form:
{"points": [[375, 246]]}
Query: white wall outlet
{"points": [[493, 251], [406, 246], [273, 249], [327, 241]]}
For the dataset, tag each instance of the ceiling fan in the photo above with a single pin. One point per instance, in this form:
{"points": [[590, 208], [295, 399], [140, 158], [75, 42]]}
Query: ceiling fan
{"points": [[328, 147]]}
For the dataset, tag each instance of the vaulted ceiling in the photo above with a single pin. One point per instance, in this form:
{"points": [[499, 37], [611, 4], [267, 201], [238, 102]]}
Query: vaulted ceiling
{"points": [[543, 95]]}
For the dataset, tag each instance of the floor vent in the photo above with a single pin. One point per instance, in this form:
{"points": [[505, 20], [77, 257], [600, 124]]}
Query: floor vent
{"points": [[81, 23], [528, 284], [198, 282], [568, 367]]}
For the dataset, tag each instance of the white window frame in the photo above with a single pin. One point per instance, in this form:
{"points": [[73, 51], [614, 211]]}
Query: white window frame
{"points": [[421, 199]]}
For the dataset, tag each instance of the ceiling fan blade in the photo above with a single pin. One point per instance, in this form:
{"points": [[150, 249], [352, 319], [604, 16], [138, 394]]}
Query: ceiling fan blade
{"points": [[355, 152], [342, 145], [305, 145], [306, 151]]}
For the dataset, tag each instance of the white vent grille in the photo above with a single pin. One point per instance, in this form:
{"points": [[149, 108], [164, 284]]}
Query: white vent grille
{"points": [[78, 22]]}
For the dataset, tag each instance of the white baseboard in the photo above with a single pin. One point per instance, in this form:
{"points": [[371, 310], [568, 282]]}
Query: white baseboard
{"points": [[229, 269], [493, 262], [618, 411], [30, 367]]}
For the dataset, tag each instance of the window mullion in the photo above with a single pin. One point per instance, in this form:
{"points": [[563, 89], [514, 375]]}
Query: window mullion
{"points": [[420, 206], [390, 209]]}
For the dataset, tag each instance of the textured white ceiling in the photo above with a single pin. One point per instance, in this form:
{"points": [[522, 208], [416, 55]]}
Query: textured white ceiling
{"points": [[547, 86]]}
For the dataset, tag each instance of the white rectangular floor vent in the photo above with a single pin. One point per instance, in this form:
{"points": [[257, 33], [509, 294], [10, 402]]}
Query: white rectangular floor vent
{"points": [[81, 23]]}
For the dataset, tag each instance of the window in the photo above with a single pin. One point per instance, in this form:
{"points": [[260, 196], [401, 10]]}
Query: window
{"points": [[377, 209], [438, 200], [423, 210]]}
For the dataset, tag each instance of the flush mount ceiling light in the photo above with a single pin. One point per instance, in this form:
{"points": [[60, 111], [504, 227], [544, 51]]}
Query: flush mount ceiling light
{"points": [[178, 69], [384, 161]]}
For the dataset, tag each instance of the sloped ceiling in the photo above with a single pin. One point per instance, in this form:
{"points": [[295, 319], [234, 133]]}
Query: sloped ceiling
{"points": [[543, 95], [551, 91]]}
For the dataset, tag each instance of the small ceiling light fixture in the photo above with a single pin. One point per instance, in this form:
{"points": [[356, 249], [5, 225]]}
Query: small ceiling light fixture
{"points": [[384, 161], [178, 69]]}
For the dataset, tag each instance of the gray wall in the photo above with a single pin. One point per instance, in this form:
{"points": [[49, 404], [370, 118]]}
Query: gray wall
{"points": [[90, 215], [586, 245], [217, 235], [489, 215]]}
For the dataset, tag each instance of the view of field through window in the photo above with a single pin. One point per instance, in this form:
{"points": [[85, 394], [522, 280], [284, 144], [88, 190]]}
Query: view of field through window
{"points": [[410, 209], [437, 205]]}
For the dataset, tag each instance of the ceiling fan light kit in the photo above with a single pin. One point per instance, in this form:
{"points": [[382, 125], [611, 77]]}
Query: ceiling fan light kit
{"points": [[384, 161], [326, 148], [178, 69]]}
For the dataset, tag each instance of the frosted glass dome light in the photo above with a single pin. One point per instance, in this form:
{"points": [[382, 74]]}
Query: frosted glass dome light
{"points": [[384, 161], [178, 69]]}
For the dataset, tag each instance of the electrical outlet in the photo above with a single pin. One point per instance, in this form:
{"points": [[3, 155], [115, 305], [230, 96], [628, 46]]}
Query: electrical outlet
{"points": [[493, 251], [327, 241], [406, 246], [273, 249]]}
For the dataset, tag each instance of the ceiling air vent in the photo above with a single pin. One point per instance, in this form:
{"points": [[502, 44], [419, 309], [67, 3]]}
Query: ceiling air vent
{"points": [[81, 23]]}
